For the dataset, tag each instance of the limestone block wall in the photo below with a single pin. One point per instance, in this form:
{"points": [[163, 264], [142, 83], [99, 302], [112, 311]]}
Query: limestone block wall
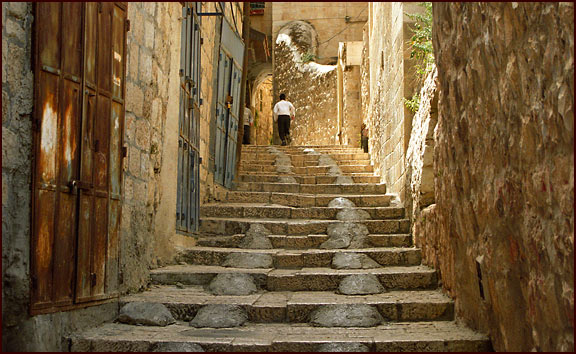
{"points": [[310, 86], [385, 120], [329, 20], [352, 110], [151, 128], [504, 170]]}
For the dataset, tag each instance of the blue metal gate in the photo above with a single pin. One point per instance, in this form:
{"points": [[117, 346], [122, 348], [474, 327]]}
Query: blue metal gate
{"points": [[228, 104], [187, 207]]}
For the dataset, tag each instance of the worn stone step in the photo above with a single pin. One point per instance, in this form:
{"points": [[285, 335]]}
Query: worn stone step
{"points": [[358, 188], [304, 241], [272, 168], [296, 307], [260, 210], [306, 179], [430, 336], [231, 226], [317, 173], [306, 279], [296, 259], [306, 200]]}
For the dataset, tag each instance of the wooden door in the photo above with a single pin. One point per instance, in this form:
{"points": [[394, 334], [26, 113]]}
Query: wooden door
{"points": [[79, 115]]}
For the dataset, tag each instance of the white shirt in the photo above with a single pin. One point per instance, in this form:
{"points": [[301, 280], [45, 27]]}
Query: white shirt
{"points": [[284, 108], [248, 118]]}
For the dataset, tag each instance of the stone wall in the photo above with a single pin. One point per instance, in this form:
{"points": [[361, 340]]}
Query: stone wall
{"points": [[502, 229], [419, 169], [151, 94], [310, 86]]}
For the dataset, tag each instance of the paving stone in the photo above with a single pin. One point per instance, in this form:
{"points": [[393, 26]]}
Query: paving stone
{"points": [[220, 316], [341, 202], [233, 284], [344, 235], [347, 315], [145, 313], [256, 237], [343, 347], [248, 260], [360, 284], [350, 214], [176, 347], [344, 180], [287, 179], [353, 261]]}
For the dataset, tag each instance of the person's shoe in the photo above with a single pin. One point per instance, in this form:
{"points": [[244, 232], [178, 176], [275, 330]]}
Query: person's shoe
{"points": [[289, 139], [283, 142]]}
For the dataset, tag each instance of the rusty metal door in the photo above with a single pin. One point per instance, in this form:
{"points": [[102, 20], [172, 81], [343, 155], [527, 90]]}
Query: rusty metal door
{"points": [[78, 120]]}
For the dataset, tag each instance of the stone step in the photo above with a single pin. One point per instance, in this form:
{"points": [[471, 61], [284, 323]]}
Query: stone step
{"points": [[336, 155], [304, 241], [306, 279], [249, 210], [310, 170], [231, 226], [297, 259], [357, 188], [319, 173], [306, 200], [430, 336], [306, 179], [296, 307]]}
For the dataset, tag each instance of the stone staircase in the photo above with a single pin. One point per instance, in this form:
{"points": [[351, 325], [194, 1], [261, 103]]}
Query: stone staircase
{"points": [[307, 253]]}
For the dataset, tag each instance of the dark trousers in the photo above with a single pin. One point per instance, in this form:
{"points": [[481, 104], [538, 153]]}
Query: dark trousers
{"points": [[246, 136], [283, 126]]}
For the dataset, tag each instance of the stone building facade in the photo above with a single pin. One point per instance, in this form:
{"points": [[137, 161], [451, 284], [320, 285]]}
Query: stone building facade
{"points": [[148, 236]]}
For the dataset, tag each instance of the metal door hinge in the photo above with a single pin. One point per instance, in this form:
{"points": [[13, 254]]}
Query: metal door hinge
{"points": [[201, 41], [127, 25], [124, 151], [199, 160]]}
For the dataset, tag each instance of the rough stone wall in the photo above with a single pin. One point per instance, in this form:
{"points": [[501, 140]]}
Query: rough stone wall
{"points": [[504, 170], [311, 87], [419, 169], [386, 119]]}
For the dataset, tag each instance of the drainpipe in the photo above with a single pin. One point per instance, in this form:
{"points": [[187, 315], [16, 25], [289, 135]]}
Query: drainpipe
{"points": [[246, 39]]}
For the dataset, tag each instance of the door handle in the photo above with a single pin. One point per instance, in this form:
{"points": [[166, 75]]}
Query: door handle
{"points": [[77, 184]]}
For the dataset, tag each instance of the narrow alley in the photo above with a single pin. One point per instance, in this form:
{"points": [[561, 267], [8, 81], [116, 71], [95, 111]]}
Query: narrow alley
{"points": [[277, 176]]}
